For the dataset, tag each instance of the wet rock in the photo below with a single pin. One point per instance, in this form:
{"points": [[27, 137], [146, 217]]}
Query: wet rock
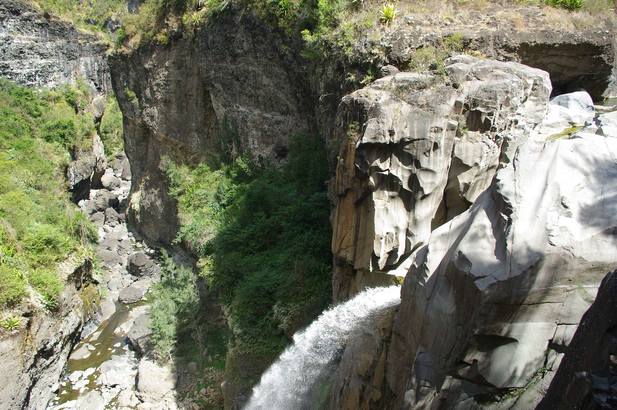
{"points": [[117, 372], [154, 382], [92, 400]]}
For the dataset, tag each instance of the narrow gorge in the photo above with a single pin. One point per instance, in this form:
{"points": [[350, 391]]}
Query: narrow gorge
{"points": [[308, 205]]}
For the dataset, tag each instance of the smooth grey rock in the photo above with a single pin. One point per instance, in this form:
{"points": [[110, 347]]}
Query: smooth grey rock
{"points": [[79, 354], [154, 382], [93, 400], [396, 175], [139, 335], [118, 371], [132, 294], [109, 180]]}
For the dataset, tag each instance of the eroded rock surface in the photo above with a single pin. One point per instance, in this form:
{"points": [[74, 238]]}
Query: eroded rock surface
{"points": [[416, 150], [42, 51], [495, 289]]}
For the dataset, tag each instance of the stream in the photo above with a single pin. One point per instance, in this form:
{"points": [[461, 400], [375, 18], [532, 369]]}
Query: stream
{"points": [[112, 367]]}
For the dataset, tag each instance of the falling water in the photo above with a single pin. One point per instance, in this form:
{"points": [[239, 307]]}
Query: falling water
{"points": [[288, 383]]}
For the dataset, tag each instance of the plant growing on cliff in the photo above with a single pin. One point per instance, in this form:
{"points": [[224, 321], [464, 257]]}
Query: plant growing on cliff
{"points": [[40, 226], [388, 13], [10, 323], [266, 233]]}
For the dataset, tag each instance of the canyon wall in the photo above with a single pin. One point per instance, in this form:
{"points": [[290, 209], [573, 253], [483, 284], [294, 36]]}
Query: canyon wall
{"points": [[39, 50]]}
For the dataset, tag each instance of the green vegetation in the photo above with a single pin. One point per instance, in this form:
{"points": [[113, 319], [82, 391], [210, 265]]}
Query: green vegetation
{"points": [[567, 133], [388, 13], [111, 128], [10, 323], [263, 237], [183, 328], [566, 4], [40, 226]]}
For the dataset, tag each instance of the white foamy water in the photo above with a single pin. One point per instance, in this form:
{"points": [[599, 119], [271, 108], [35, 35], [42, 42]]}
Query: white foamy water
{"points": [[287, 384]]}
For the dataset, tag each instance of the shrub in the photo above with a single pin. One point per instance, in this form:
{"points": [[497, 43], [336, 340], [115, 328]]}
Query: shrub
{"points": [[62, 132], [388, 13], [12, 286], [111, 128], [174, 303], [566, 4], [48, 285], [10, 323]]}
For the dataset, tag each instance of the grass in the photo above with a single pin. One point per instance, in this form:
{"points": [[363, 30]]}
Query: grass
{"points": [[10, 323], [40, 226], [567, 133]]}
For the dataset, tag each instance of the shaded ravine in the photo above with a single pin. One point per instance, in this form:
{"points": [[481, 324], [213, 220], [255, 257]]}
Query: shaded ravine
{"points": [[103, 369], [294, 380]]}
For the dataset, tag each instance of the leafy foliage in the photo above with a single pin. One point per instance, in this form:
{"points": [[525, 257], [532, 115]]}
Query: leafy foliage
{"points": [[388, 13], [40, 226], [10, 323], [111, 128], [263, 237], [566, 4]]}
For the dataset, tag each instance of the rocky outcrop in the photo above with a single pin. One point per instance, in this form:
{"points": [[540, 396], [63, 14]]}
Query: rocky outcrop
{"points": [[42, 51], [33, 357], [493, 294], [587, 376], [416, 150], [214, 95]]}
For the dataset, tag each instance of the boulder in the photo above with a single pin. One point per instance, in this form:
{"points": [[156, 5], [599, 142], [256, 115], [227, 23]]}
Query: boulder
{"points": [[104, 199], [140, 264], [417, 149], [112, 218], [154, 382], [139, 335], [109, 180], [135, 292]]}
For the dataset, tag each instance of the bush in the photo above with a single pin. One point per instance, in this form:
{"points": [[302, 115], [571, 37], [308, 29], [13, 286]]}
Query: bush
{"points": [[111, 128], [388, 13], [566, 4], [39, 225], [174, 303], [10, 323], [48, 285], [263, 235], [12, 286]]}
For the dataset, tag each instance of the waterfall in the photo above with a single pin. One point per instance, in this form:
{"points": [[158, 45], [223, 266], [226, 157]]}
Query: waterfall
{"points": [[289, 382]]}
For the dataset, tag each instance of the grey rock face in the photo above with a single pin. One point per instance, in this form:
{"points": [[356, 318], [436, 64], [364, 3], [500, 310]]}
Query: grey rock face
{"points": [[33, 359], [515, 234], [153, 381], [415, 151], [197, 101], [587, 376], [46, 52], [494, 297]]}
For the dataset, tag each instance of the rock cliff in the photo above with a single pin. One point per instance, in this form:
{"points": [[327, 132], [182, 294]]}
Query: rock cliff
{"points": [[41, 51], [496, 286], [209, 96]]}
